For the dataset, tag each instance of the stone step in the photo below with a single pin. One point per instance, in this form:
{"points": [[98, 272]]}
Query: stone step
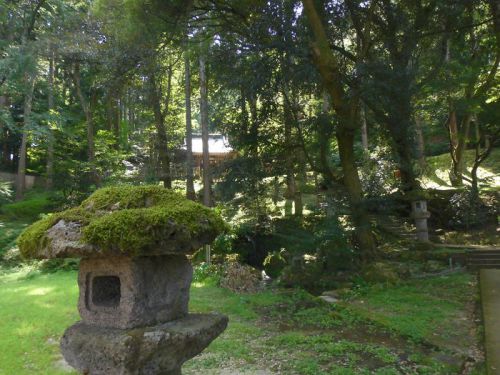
{"points": [[482, 259]]}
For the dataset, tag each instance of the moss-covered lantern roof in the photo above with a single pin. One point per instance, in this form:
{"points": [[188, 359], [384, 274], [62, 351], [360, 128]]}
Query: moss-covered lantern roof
{"points": [[123, 220]]}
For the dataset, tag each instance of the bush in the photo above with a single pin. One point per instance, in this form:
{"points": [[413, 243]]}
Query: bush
{"points": [[223, 244], [5, 192], [468, 211], [203, 271], [274, 264], [377, 174], [308, 273], [31, 207]]}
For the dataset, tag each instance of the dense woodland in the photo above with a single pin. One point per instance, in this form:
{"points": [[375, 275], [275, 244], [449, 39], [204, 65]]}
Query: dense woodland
{"points": [[343, 119], [339, 100]]}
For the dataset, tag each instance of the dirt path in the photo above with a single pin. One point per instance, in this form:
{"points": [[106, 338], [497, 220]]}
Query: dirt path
{"points": [[490, 297]]}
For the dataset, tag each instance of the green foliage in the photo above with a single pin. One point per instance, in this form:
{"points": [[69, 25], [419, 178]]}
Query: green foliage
{"points": [[274, 264], [380, 272], [5, 192], [9, 230], [378, 173], [223, 244], [31, 207], [128, 218], [468, 211], [203, 271]]}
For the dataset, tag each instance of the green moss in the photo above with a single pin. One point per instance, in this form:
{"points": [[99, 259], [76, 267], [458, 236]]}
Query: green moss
{"points": [[131, 219], [128, 196], [33, 237]]}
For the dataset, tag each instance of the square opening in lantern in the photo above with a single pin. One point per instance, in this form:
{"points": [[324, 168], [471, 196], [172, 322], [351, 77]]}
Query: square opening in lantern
{"points": [[106, 291]]}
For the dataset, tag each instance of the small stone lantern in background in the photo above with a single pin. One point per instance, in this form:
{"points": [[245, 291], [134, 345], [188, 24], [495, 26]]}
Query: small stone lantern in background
{"points": [[134, 278], [420, 214]]}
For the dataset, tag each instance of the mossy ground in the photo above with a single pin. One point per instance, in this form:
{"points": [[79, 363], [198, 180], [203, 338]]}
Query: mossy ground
{"points": [[127, 218]]}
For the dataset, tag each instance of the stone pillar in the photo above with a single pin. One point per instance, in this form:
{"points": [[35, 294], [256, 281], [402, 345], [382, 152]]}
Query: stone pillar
{"points": [[420, 214]]}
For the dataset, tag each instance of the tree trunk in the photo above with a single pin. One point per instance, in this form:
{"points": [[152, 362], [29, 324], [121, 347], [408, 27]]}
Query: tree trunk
{"points": [[161, 142], [300, 185], [364, 129], [289, 160], [51, 139], [364, 236], [190, 193], [459, 135], [420, 142], [207, 200], [4, 135], [87, 109], [21, 168], [328, 67]]}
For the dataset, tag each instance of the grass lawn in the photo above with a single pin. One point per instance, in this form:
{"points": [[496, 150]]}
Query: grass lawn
{"points": [[9, 230], [380, 330]]}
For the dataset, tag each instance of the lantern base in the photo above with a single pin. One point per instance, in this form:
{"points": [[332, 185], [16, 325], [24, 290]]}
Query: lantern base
{"points": [[155, 350]]}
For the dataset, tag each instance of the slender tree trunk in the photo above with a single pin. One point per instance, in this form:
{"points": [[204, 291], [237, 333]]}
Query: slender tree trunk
{"points": [[459, 135], [207, 200], [328, 67], [4, 135], [161, 142], [300, 185], [364, 129], [190, 193], [364, 236], [21, 169], [51, 139], [87, 109], [420, 142], [289, 160], [399, 123]]}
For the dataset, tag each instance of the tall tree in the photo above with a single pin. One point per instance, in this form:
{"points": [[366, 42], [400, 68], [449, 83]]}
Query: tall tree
{"points": [[88, 105], [29, 83], [207, 200], [50, 108], [347, 110], [190, 193]]}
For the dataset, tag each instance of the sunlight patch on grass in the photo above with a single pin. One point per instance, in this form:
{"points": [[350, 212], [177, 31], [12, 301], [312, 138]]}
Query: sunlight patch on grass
{"points": [[39, 291], [438, 168]]}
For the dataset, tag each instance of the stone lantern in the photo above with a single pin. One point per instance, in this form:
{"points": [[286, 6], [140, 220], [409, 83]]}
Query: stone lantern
{"points": [[134, 278], [420, 214]]}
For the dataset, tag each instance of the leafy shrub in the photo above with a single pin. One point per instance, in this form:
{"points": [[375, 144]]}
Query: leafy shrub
{"points": [[5, 192], [223, 244], [468, 211], [203, 271], [308, 273], [274, 264], [59, 264], [30, 208], [377, 174]]}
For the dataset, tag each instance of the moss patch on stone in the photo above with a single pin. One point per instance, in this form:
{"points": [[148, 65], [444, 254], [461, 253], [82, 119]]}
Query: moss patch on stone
{"points": [[130, 219]]}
